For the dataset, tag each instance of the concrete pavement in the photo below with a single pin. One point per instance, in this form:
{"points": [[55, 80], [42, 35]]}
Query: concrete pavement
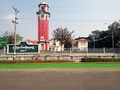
{"points": [[60, 79]]}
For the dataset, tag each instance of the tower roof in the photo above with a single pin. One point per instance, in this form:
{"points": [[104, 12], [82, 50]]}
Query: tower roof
{"points": [[43, 3], [83, 40]]}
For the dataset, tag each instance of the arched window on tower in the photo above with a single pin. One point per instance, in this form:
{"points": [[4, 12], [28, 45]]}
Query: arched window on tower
{"points": [[42, 8]]}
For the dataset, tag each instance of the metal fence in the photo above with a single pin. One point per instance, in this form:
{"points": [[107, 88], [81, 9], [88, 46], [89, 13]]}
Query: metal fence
{"points": [[89, 50], [104, 50], [1, 51], [69, 50]]}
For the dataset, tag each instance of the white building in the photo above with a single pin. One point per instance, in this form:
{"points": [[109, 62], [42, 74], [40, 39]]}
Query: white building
{"points": [[54, 45], [81, 45]]}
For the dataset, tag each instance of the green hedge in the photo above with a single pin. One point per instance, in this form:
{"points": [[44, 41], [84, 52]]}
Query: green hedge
{"points": [[32, 61], [100, 60]]}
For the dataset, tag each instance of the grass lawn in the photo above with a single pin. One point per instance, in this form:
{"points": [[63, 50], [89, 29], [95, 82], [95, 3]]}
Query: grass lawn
{"points": [[60, 65]]}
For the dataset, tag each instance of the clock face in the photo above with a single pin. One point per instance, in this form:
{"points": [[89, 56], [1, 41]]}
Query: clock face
{"points": [[42, 16]]}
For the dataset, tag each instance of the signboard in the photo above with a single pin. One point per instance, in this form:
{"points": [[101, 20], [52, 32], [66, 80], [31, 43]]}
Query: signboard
{"points": [[23, 47], [3, 42]]}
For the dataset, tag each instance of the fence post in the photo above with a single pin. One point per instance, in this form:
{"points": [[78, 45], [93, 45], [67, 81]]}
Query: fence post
{"points": [[103, 49], [4, 50], [87, 50], [70, 50]]}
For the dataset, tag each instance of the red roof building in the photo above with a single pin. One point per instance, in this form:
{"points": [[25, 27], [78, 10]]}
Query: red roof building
{"points": [[31, 41], [81, 45]]}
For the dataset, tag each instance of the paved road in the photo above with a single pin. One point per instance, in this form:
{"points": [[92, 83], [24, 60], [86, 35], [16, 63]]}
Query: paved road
{"points": [[60, 79]]}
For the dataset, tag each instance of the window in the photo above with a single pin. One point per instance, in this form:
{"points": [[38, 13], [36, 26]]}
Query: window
{"points": [[42, 46], [83, 43]]}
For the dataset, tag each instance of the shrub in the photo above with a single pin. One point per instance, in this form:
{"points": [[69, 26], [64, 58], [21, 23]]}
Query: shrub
{"points": [[33, 61], [100, 60]]}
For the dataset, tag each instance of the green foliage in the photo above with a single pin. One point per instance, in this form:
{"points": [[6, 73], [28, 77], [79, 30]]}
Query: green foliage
{"points": [[99, 36], [32, 61], [95, 34], [100, 59], [10, 37], [68, 45], [63, 35]]}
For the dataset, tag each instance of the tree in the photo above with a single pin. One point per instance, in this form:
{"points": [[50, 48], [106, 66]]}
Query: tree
{"points": [[63, 35], [10, 37], [104, 38], [114, 29], [115, 25], [95, 34], [93, 37], [68, 45]]}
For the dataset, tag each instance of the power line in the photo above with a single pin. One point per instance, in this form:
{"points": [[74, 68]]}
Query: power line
{"points": [[67, 7], [3, 20], [57, 20]]}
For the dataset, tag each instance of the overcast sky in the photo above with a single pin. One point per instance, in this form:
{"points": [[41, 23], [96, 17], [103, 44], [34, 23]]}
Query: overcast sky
{"points": [[82, 16]]}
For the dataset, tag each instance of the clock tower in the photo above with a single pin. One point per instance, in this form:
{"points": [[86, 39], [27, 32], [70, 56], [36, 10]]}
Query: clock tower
{"points": [[43, 25]]}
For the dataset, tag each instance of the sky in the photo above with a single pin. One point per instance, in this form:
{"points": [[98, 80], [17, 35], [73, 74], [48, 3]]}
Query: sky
{"points": [[82, 16]]}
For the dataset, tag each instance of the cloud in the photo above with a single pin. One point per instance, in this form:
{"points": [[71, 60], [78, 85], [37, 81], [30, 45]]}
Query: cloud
{"points": [[9, 17]]}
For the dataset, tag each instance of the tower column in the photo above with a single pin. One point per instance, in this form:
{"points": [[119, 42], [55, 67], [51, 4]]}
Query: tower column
{"points": [[43, 25]]}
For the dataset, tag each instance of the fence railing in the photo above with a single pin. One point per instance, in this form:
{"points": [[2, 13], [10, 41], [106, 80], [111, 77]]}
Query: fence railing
{"points": [[69, 50], [89, 50], [1, 51]]}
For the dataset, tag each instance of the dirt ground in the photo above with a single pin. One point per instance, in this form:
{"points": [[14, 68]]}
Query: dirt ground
{"points": [[59, 79]]}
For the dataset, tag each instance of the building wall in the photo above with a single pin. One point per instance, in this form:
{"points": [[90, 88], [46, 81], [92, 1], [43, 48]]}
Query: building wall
{"points": [[55, 45], [43, 30], [80, 45], [83, 46]]}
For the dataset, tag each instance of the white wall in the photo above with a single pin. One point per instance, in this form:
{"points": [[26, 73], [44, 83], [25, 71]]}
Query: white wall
{"points": [[83, 46], [55, 45]]}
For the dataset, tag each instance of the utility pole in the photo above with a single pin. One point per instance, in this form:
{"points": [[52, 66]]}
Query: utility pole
{"points": [[112, 40], [93, 42], [15, 22]]}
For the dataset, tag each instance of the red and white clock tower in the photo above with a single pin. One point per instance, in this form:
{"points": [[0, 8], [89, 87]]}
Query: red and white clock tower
{"points": [[43, 25]]}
